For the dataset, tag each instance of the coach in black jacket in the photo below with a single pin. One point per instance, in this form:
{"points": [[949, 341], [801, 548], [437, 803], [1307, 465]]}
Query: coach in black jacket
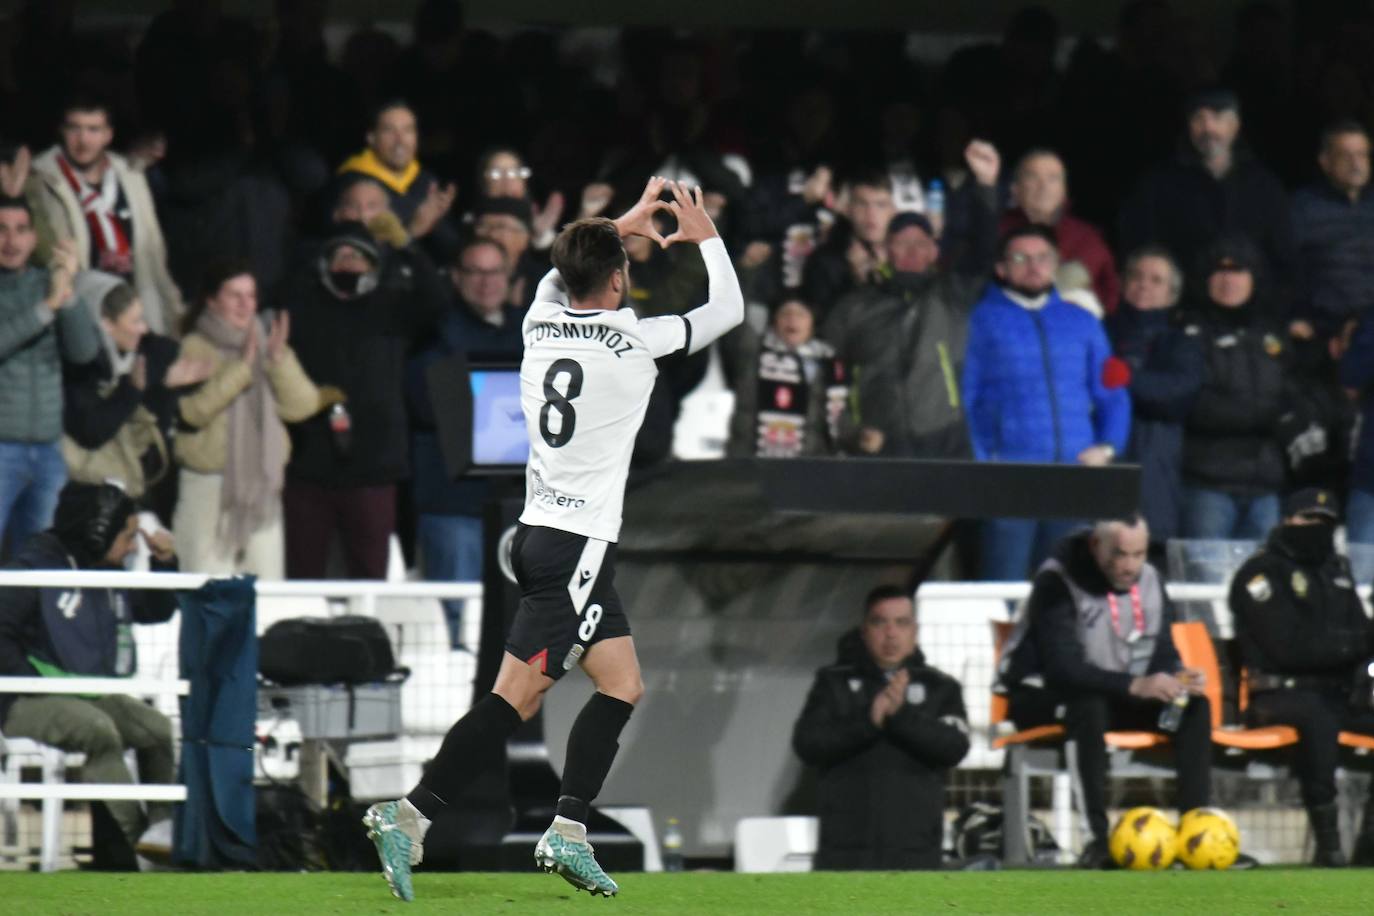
{"points": [[882, 727]]}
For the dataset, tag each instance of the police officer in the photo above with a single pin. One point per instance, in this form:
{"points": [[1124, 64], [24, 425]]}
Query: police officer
{"points": [[1304, 636], [883, 728]]}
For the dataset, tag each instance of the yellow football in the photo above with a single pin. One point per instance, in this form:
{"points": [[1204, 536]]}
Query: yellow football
{"points": [[1143, 840]]}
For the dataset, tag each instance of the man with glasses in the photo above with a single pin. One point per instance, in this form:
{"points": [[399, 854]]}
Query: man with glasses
{"points": [[1039, 385], [476, 322]]}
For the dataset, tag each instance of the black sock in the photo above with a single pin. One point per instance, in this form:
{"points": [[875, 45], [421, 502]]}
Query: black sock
{"points": [[472, 744], [592, 745]]}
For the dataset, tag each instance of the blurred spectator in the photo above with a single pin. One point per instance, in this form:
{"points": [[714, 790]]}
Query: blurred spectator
{"points": [[360, 200], [1039, 190], [1357, 375], [1317, 427], [119, 409], [791, 396], [356, 311], [233, 445], [223, 200], [508, 221], [51, 632], [502, 172], [883, 728], [476, 323], [1060, 667], [93, 198], [41, 324], [903, 336], [853, 248], [389, 158], [1213, 187], [1038, 385], [1305, 641], [1233, 466], [663, 281], [1166, 370], [1333, 231]]}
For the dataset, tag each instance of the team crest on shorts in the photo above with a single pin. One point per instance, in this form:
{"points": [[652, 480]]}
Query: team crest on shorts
{"points": [[1259, 588]]}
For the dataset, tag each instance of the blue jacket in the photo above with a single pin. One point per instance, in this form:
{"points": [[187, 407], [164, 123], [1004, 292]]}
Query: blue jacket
{"points": [[1166, 374], [1335, 242], [460, 331], [1357, 371], [1032, 385]]}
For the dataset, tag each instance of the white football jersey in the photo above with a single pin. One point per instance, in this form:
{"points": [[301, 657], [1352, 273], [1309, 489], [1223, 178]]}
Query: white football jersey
{"points": [[585, 382]]}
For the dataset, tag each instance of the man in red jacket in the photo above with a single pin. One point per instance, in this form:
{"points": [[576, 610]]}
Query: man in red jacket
{"points": [[1039, 191]]}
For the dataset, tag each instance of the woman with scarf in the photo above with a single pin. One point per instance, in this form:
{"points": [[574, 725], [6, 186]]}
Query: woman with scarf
{"points": [[791, 395], [120, 408], [233, 445]]}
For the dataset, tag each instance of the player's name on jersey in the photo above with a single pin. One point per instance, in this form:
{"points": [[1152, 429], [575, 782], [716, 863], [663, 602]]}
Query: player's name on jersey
{"points": [[616, 342]]}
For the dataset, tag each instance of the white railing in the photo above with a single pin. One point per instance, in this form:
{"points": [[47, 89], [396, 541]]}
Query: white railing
{"points": [[158, 678]]}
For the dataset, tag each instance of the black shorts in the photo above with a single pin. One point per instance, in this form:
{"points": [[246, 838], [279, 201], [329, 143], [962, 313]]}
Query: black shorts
{"points": [[567, 597]]}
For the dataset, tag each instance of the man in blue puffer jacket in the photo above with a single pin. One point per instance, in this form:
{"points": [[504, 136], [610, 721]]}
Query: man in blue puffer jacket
{"points": [[1037, 387]]}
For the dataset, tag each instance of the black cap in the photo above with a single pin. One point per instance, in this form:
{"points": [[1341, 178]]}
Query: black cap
{"points": [[355, 235], [1231, 253], [1312, 501], [908, 218], [1216, 98], [517, 207]]}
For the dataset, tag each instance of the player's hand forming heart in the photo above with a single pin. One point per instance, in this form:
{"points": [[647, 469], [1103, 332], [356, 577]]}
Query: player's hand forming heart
{"points": [[693, 222], [639, 219]]}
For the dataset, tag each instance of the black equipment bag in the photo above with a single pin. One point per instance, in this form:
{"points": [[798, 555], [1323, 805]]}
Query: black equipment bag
{"points": [[327, 650]]}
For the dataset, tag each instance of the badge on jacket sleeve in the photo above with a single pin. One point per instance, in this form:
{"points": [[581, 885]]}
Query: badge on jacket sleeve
{"points": [[916, 694], [855, 685], [1259, 588], [1299, 584]]}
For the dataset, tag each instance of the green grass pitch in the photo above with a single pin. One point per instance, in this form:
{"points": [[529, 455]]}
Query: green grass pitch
{"points": [[1274, 890]]}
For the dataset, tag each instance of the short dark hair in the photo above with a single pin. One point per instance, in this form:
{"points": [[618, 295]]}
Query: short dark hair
{"points": [[117, 301], [587, 253], [870, 178], [88, 103], [390, 105], [16, 203], [883, 593], [1030, 230], [1339, 128]]}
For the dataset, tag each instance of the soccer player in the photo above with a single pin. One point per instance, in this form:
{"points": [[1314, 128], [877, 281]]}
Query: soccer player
{"points": [[585, 380]]}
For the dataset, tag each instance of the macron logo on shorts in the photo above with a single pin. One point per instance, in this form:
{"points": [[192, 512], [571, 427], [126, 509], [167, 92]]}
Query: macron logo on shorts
{"points": [[584, 577]]}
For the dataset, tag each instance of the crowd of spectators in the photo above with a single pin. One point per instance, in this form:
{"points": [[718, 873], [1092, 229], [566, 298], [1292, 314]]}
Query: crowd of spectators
{"points": [[230, 250]]}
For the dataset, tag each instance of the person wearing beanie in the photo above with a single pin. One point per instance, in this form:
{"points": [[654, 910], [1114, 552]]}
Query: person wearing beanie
{"points": [[54, 632], [509, 222], [1213, 186], [902, 338], [356, 313], [1233, 465]]}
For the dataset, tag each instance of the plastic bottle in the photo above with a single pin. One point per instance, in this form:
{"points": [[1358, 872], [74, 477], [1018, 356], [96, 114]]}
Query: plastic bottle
{"points": [[672, 846], [1172, 715], [341, 425], [935, 205]]}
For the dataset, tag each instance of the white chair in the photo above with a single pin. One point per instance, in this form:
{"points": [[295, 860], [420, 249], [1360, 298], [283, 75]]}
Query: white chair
{"points": [[776, 844]]}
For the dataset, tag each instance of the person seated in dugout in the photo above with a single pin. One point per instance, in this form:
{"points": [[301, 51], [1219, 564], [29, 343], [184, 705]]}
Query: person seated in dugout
{"points": [[1092, 650], [883, 728], [1307, 647], [57, 632]]}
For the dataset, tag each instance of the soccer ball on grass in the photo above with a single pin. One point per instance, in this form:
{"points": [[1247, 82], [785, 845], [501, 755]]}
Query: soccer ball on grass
{"points": [[1208, 838], [1143, 840]]}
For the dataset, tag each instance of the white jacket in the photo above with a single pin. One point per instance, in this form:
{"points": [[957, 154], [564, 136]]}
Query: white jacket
{"points": [[162, 302]]}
